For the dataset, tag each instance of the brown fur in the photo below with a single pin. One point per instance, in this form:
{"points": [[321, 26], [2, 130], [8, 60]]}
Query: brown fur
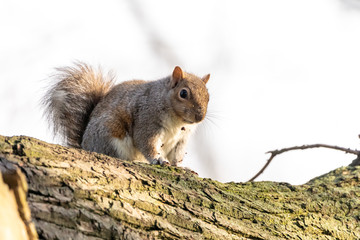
{"points": [[120, 125]]}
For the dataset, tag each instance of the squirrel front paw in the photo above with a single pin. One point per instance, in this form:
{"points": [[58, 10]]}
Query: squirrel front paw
{"points": [[160, 161]]}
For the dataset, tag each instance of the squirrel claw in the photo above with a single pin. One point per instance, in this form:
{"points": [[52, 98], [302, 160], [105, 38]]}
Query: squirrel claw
{"points": [[160, 161]]}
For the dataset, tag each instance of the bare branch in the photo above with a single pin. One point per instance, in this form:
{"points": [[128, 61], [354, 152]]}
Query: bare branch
{"points": [[303, 147], [158, 45]]}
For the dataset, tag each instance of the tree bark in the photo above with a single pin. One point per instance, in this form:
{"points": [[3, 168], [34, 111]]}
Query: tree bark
{"points": [[74, 194]]}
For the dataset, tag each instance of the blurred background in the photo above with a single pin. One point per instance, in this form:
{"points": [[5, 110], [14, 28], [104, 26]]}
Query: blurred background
{"points": [[283, 73]]}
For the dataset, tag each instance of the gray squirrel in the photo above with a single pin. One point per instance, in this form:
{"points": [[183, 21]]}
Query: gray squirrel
{"points": [[134, 120]]}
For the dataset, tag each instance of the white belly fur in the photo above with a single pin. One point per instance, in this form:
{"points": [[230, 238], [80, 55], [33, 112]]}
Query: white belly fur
{"points": [[172, 134], [168, 138]]}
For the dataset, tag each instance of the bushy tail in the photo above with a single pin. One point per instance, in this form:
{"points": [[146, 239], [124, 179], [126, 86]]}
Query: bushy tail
{"points": [[71, 99]]}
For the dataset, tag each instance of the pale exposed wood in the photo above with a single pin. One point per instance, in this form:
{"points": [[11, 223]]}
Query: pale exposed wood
{"points": [[15, 217]]}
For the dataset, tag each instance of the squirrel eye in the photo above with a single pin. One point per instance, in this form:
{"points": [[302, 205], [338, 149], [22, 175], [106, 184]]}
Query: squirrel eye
{"points": [[183, 93]]}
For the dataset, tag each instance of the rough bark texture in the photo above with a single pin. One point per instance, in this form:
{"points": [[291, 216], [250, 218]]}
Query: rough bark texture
{"points": [[74, 194]]}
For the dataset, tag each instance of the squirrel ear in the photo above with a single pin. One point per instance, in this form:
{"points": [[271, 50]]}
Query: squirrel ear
{"points": [[206, 78], [177, 75]]}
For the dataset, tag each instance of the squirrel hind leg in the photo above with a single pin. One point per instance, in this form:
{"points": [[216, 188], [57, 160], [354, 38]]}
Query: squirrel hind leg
{"points": [[124, 149]]}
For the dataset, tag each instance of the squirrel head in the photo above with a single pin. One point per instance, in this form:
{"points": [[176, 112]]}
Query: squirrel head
{"points": [[189, 95]]}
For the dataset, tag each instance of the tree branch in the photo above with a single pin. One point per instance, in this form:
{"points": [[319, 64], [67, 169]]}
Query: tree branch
{"points": [[274, 153], [74, 194]]}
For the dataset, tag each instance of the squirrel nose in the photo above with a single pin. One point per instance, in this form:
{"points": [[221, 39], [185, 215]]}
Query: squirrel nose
{"points": [[199, 115]]}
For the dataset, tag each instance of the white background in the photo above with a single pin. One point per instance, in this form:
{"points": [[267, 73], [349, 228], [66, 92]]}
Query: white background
{"points": [[283, 73]]}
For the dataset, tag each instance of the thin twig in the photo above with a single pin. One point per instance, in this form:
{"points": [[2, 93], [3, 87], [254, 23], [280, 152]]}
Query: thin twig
{"points": [[277, 152]]}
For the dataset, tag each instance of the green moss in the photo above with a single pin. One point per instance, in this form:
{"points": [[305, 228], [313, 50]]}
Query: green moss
{"points": [[184, 222], [148, 207]]}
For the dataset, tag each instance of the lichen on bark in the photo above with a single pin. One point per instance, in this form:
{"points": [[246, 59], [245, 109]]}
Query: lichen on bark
{"points": [[81, 195]]}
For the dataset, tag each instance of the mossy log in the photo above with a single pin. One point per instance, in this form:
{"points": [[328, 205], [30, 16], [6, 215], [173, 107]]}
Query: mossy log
{"points": [[74, 194]]}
